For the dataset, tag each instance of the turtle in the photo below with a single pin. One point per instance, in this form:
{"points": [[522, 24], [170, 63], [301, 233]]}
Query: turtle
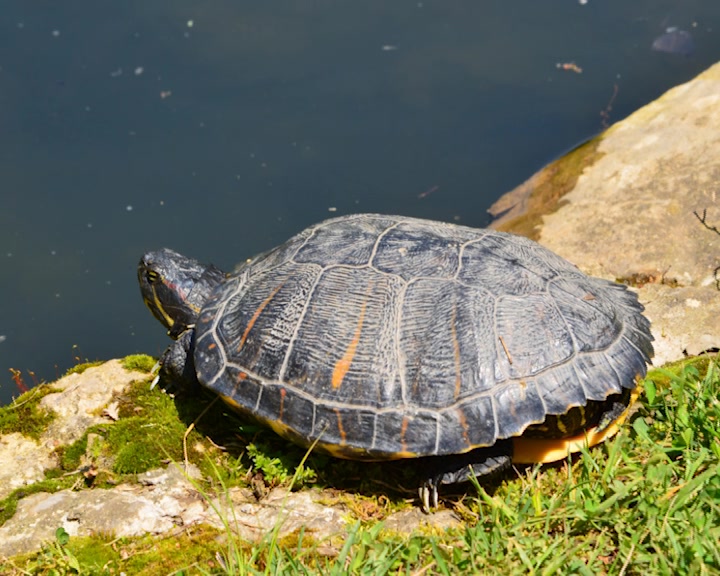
{"points": [[377, 337]]}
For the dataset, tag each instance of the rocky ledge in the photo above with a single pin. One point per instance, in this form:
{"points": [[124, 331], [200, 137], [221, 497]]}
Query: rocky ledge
{"points": [[88, 430]]}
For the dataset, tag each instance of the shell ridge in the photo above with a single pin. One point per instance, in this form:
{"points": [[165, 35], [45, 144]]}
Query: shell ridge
{"points": [[643, 344], [518, 260], [301, 317], [540, 395], [380, 236], [399, 354], [496, 424], [212, 329], [305, 242], [568, 328]]}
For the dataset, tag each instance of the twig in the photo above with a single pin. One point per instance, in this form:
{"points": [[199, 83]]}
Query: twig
{"points": [[605, 114], [703, 221], [190, 429], [506, 350]]}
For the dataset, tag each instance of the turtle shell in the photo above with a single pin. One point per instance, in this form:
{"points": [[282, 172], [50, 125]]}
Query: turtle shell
{"points": [[386, 337]]}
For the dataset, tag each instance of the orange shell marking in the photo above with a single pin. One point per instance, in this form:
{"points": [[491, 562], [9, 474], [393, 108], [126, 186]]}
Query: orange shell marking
{"points": [[343, 365], [255, 316], [341, 430]]}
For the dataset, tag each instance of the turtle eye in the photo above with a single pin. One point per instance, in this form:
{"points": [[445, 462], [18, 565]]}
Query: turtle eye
{"points": [[152, 276]]}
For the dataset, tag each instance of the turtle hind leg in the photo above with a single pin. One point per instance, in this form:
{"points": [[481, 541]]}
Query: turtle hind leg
{"points": [[457, 468]]}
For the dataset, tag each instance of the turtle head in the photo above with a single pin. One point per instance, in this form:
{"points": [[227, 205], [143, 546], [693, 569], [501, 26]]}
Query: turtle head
{"points": [[175, 288]]}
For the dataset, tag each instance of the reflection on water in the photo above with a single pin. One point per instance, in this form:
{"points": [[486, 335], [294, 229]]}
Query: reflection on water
{"points": [[220, 129]]}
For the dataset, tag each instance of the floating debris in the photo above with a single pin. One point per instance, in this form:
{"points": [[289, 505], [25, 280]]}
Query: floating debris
{"points": [[570, 66], [675, 41], [429, 191]]}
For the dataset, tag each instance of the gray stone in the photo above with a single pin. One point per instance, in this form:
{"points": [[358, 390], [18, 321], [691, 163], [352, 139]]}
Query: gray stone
{"points": [[126, 510], [23, 461], [163, 500], [280, 510], [82, 398]]}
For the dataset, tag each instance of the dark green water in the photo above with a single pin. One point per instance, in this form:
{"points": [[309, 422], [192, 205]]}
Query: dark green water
{"points": [[221, 128]]}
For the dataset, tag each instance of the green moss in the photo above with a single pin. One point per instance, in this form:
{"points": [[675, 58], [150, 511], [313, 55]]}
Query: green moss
{"points": [[70, 456], [150, 432], [548, 187], [139, 362], [136, 362], [25, 415], [96, 555], [140, 446], [195, 552], [663, 377], [80, 368], [147, 432]]}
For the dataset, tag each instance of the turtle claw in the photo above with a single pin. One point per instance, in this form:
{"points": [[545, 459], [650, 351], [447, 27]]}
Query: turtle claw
{"points": [[457, 468], [428, 493], [155, 370]]}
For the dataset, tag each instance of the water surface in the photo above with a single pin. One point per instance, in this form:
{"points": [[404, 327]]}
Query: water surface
{"points": [[221, 128]]}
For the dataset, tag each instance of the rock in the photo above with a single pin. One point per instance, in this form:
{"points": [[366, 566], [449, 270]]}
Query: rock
{"points": [[23, 461], [691, 307], [160, 501], [282, 510], [163, 500], [630, 212], [127, 510], [81, 397]]}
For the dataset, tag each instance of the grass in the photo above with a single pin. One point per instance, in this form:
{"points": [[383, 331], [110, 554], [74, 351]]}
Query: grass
{"points": [[646, 502]]}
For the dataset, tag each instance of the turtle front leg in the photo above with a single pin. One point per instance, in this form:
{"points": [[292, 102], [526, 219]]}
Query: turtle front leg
{"points": [[177, 367], [457, 468]]}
